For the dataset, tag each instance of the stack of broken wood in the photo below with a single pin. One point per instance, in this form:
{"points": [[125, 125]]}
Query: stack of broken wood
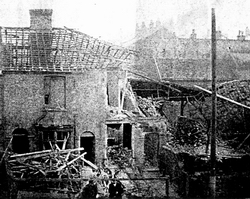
{"points": [[47, 164]]}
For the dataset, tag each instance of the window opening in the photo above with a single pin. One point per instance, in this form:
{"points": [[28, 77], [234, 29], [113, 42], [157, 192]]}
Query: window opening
{"points": [[55, 91], [114, 132], [55, 139]]}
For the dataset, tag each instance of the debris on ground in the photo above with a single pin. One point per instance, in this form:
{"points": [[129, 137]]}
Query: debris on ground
{"points": [[49, 164], [149, 107]]}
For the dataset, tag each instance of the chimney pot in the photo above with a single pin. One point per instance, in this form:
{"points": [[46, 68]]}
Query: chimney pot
{"points": [[41, 19]]}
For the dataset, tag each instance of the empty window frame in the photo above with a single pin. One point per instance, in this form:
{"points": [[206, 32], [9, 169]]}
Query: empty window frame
{"points": [[55, 91]]}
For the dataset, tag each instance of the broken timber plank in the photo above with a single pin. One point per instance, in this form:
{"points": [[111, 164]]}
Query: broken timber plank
{"points": [[65, 141], [243, 141], [68, 163], [32, 167], [90, 163], [222, 97], [57, 147], [156, 81], [30, 154], [6, 151], [43, 153]]}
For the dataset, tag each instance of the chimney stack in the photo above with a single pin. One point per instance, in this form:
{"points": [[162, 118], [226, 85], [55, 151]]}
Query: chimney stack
{"points": [[40, 37], [218, 34], [41, 19], [241, 36], [193, 35]]}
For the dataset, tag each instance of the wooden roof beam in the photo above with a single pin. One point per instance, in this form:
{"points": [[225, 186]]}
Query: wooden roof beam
{"points": [[222, 97]]}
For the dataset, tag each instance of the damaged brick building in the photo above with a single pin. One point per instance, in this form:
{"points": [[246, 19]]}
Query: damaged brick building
{"points": [[62, 88]]}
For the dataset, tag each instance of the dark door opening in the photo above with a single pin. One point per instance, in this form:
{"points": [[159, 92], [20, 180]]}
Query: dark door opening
{"points": [[87, 141], [151, 148], [20, 142], [127, 128]]}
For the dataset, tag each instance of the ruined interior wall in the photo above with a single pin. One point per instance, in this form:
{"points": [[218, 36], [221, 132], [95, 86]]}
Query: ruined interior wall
{"points": [[115, 82], [138, 144], [139, 132]]}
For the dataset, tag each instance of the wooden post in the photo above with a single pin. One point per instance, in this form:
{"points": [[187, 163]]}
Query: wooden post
{"points": [[1, 53], [182, 107], [212, 180], [167, 187]]}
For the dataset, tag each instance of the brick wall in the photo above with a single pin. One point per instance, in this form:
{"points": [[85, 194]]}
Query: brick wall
{"points": [[86, 103]]}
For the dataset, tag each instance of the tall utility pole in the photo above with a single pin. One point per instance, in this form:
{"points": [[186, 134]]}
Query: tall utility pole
{"points": [[214, 110]]}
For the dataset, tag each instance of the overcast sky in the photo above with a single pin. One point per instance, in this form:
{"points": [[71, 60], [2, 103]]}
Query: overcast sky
{"points": [[115, 20]]}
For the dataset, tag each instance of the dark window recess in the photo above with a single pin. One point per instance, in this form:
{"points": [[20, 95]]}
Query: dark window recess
{"points": [[46, 99], [111, 141], [55, 91]]}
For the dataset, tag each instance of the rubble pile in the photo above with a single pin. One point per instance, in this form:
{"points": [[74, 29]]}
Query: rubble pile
{"points": [[149, 107], [122, 157], [189, 132], [236, 90]]}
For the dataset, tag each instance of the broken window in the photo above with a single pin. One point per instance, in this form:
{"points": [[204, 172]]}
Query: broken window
{"points": [[119, 134], [56, 138], [55, 91], [119, 144], [114, 134]]}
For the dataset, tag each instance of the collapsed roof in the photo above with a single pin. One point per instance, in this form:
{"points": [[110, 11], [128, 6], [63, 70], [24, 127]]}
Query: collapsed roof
{"points": [[57, 50]]}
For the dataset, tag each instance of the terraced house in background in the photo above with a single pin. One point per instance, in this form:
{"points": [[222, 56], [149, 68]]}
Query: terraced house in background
{"points": [[187, 60]]}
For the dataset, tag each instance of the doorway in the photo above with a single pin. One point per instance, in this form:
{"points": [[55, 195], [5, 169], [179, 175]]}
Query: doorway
{"points": [[20, 142], [87, 141], [127, 129]]}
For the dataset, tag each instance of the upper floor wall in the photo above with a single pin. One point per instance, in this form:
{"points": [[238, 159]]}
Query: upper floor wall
{"points": [[28, 96]]}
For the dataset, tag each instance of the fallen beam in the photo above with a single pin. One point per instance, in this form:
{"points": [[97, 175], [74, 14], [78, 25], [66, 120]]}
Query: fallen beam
{"points": [[90, 163], [43, 153], [69, 163], [6, 151], [222, 97], [156, 81]]}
